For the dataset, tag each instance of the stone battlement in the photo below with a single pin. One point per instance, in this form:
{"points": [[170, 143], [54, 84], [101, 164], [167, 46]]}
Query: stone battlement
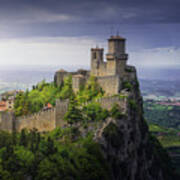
{"points": [[38, 114], [45, 120], [108, 102], [49, 119], [110, 75]]}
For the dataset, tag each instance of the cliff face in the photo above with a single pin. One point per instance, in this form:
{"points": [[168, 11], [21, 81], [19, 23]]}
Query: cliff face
{"points": [[127, 145]]}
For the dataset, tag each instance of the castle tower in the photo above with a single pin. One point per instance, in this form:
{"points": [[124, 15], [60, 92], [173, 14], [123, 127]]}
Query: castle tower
{"points": [[116, 56], [96, 60]]}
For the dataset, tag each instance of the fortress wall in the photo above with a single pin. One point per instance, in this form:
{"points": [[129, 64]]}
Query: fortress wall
{"points": [[52, 118], [7, 121], [43, 121], [98, 68], [102, 69], [111, 68], [130, 73], [120, 68], [110, 84], [61, 109], [108, 102]]}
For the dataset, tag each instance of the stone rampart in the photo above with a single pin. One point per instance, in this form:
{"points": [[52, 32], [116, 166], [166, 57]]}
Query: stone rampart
{"points": [[7, 121], [47, 120], [108, 102], [110, 84], [61, 109], [43, 121]]}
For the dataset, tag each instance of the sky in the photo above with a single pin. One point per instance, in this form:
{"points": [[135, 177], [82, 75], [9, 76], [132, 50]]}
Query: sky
{"points": [[61, 32]]}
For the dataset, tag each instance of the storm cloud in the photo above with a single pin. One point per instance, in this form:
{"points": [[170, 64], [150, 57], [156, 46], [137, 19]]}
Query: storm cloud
{"points": [[94, 11], [147, 25], [35, 17]]}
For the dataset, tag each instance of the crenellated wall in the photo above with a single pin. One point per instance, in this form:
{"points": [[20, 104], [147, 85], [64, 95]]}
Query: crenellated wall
{"points": [[108, 102], [47, 120], [7, 121], [43, 121], [110, 84], [61, 109]]}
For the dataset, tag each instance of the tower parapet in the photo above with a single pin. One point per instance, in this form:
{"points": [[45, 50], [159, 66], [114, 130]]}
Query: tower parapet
{"points": [[116, 48], [97, 61], [110, 73]]}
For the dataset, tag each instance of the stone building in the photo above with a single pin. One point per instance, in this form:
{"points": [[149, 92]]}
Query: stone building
{"points": [[110, 73]]}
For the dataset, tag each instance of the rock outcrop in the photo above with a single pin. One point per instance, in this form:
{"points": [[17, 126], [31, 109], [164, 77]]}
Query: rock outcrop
{"points": [[131, 151]]}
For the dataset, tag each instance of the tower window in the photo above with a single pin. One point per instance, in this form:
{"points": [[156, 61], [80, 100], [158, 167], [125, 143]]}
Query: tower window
{"points": [[94, 55]]}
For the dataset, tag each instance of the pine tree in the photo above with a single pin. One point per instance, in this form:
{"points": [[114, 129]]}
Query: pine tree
{"points": [[23, 138], [73, 115]]}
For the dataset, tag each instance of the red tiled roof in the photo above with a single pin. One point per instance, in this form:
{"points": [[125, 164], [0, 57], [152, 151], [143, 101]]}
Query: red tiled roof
{"points": [[49, 105], [3, 106]]}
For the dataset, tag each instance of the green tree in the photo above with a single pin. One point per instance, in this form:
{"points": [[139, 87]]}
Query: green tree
{"points": [[94, 112], [73, 115], [23, 138], [67, 90], [91, 91]]}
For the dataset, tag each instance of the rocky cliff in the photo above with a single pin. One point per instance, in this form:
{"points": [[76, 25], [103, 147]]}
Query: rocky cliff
{"points": [[131, 151]]}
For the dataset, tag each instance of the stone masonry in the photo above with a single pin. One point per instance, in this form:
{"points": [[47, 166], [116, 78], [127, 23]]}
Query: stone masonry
{"points": [[110, 73], [49, 119]]}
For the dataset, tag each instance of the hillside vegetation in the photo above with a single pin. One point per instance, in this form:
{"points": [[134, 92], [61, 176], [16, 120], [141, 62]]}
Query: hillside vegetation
{"points": [[60, 154], [32, 101], [95, 144], [166, 116]]}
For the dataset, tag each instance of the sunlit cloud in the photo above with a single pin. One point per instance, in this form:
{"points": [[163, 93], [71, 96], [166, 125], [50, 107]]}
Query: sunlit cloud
{"points": [[46, 51]]}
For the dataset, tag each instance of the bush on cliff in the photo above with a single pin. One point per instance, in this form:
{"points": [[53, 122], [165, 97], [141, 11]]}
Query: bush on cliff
{"points": [[116, 113], [94, 112]]}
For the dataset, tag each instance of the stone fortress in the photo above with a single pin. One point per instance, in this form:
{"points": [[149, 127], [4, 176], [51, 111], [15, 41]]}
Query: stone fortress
{"points": [[110, 75]]}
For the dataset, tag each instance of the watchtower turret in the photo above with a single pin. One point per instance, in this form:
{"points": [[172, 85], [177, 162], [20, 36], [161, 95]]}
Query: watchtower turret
{"points": [[116, 48], [96, 60], [116, 56]]}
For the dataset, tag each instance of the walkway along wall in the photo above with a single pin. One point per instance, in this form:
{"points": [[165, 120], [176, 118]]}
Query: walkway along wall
{"points": [[49, 119]]}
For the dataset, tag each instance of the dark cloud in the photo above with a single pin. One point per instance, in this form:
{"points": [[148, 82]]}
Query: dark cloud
{"points": [[81, 17], [94, 11]]}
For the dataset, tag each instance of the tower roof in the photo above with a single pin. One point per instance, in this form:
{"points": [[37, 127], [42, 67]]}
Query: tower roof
{"points": [[117, 37], [97, 49], [61, 70]]}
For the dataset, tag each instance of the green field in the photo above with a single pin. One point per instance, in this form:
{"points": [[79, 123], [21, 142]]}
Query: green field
{"points": [[165, 116]]}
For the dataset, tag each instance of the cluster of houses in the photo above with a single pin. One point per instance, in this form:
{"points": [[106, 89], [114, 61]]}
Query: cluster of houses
{"points": [[7, 100]]}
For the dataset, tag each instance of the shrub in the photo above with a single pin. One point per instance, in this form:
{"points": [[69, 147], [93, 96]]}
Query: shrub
{"points": [[94, 112], [116, 113], [91, 91], [126, 85], [132, 104]]}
